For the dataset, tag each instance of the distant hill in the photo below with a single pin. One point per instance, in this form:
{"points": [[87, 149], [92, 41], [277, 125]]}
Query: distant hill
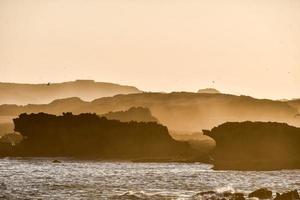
{"points": [[22, 94], [57, 106], [179, 111], [209, 91], [138, 114], [255, 146]]}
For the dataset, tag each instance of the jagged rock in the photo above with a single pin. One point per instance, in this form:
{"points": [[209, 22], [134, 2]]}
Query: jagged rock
{"points": [[262, 193], [237, 196], [292, 195], [227, 194]]}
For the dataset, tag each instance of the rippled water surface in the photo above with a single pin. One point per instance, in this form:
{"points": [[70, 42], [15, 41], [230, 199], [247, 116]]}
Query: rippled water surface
{"points": [[73, 179]]}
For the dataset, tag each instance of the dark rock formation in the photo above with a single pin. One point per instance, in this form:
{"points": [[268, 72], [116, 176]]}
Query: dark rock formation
{"points": [[56, 161], [6, 149], [88, 135], [237, 196], [262, 193], [255, 146], [292, 195]]}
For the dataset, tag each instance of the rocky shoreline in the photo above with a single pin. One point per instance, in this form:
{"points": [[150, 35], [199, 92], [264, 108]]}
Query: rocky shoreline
{"points": [[262, 193]]}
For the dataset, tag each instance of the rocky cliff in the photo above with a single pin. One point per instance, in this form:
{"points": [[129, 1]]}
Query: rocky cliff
{"points": [[255, 146]]}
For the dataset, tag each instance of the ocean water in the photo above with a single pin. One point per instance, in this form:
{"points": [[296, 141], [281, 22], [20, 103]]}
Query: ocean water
{"points": [[39, 178]]}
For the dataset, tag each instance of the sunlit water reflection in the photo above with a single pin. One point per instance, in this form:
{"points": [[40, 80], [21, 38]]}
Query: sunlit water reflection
{"points": [[73, 179]]}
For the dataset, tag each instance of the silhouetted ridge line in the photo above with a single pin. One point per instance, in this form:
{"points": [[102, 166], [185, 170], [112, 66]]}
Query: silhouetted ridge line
{"points": [[90, 136], [179, 111], [22, 94]]}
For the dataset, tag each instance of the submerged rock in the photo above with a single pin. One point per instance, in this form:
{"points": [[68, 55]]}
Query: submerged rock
{"points": [[262, 193], [237, 196], [56, 161], [292, 195]]}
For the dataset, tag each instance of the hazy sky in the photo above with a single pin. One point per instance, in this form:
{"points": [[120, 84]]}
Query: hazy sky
{"points": [[247, 47]]}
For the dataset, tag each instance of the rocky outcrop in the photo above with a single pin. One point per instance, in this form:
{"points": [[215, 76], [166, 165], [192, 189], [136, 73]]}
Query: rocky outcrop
{"points": [[88, 135], [262, 193], [291, 195], [255, 146]]}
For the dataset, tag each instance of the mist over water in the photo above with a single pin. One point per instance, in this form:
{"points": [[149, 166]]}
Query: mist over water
{"points": [[39, 178], [169, 85]]}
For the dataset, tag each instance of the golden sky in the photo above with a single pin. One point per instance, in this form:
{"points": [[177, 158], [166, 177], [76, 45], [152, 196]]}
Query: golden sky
{"points": [[249, 47]]}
